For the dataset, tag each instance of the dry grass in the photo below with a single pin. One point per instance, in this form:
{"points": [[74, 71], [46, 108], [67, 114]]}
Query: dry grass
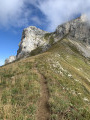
{"points": [[67, 74]]}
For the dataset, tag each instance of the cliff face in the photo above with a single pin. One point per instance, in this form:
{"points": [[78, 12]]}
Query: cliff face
{"points": [[10, 59], [32, 38], [78, 31]]}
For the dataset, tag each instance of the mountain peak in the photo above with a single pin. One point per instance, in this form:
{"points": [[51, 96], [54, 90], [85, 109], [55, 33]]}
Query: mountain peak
{"points": [[32, 38], [33, 28], [84, 18]]}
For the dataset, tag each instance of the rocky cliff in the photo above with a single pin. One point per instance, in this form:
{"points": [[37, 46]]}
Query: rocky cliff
{"points": [[35, 40], [32, 38], [78, 29], [10, 59], [78, 32]]}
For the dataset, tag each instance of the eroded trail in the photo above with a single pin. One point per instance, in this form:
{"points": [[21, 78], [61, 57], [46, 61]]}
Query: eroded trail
{"points": [[43, 112]]}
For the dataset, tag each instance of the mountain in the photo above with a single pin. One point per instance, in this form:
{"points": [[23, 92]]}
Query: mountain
{"points": [[33, 39], [51, 79]]}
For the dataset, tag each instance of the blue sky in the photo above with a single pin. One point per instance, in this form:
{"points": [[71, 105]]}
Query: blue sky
{"points": [[15, 15]]}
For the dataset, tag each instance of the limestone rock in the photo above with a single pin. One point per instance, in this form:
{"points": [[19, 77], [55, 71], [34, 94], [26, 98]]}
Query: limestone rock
{"points": [[32, 38], [83, 48], [10, 59], [84, 18], [78, 29]]}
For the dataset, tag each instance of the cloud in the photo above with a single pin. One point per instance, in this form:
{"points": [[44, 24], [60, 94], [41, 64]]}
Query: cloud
{"points": [[60, 11], [18, 13], [15, 13], [10, 10], [36, 20]]}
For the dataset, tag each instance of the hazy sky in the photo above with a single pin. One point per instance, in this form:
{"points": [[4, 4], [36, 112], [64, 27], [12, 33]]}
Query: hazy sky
{"points": [[15, 15]]}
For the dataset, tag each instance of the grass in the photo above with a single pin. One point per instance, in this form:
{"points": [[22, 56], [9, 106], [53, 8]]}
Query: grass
{"points": [[36, 51], [49, 37], [46, 36], [67, 74], [20, 92], [51, 40]]}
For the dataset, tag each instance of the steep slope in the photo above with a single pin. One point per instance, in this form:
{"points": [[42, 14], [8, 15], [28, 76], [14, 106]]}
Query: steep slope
{"points": [[56, 82]]}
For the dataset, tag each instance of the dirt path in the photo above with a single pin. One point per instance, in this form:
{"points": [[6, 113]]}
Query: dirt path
{"points": [[43, 112]]}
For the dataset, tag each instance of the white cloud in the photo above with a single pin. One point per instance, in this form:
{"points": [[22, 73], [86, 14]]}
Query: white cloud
{"points": [[16, 13], [60, 11], [36, 20], [10, 10]]}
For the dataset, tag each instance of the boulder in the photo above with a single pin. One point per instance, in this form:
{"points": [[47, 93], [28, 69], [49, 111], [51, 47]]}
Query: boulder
{"points": [[10, 59]]}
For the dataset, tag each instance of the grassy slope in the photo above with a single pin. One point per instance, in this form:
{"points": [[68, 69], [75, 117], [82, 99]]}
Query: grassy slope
{"points": [[67, 75]]}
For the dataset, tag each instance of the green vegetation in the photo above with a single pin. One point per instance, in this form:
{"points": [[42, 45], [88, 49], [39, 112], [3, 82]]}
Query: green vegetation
{"points": [[20, 91], [67, 74], [51, 40], [49, 37], [36, 51], [46, 36]]}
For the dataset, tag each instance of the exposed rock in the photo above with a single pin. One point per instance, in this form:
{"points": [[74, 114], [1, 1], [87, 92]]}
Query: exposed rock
{"points": [[84, 18], [78, 29], [32, 38], [10, 59], [84, 49]]}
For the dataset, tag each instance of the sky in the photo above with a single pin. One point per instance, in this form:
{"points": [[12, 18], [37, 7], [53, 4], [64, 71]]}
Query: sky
{"points": [[15, 15]]}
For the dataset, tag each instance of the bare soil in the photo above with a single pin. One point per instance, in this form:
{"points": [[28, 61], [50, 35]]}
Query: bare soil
{"points": [[43, 112]]}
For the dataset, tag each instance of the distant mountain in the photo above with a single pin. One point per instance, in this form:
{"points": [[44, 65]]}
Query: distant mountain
{"points": [[50, 78]]}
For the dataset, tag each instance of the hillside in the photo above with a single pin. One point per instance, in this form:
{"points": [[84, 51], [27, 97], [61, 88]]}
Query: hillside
{"points": [[54, 85]]}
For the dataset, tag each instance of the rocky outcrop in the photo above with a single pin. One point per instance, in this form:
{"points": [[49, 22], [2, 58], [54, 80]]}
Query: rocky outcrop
{"points": [[84, 49], [10, 59], [32, 38], [78, 29]]}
